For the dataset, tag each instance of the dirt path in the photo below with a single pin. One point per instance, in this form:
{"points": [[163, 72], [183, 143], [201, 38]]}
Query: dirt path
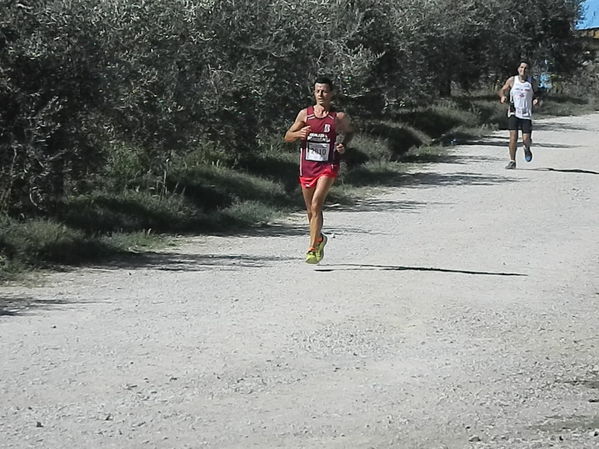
{"points": [[458, 311]]}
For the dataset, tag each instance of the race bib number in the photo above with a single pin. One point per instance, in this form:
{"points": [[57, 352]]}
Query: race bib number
{"points": [[317, 152]]}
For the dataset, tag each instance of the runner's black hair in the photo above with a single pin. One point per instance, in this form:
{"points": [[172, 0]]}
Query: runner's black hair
{"points": [[324, 80]]}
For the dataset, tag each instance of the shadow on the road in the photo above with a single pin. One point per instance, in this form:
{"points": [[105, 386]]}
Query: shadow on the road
{"points": [[488, 142], [349, 267], [454, 179], [451, 158], [563, 170], [557, 423], [503, 143], [19, 305], [270, 230], [468, 159], [553, 145], [558, 126], [164, 261], [376, 205]]}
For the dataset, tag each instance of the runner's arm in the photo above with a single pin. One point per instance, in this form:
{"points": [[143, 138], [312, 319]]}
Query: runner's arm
{"points": [[537, 93], [299, 129], [344, 128], [503, 92]]}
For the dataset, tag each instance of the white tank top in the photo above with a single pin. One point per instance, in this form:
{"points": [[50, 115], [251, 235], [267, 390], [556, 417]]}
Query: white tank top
{"points": [[521, 95]]}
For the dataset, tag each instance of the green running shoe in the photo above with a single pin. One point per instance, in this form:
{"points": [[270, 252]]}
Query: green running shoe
{"points": [[311, 256], [320, 247]]}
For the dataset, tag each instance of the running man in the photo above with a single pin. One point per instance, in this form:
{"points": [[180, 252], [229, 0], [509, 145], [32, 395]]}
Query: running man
{"points": [[523, 95], [324, 134]]}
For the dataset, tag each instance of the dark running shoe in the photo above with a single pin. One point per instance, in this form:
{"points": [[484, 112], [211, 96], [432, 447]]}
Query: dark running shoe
{"points": [[511, 165], [527, 154]]}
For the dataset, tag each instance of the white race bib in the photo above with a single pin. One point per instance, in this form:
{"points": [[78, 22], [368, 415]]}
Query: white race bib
{"points": [[317, 152]]}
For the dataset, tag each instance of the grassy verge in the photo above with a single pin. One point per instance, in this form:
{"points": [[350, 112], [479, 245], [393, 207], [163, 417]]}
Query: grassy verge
{"points": [[209, 191], [45, 243]]}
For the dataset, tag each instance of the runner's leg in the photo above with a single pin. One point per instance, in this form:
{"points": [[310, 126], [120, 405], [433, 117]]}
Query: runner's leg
{"points": [[527, 142], [314, 199], [308, 193], [526, 139], [513, 143]]}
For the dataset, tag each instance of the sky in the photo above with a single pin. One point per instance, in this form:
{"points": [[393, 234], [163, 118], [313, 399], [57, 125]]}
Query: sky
{"points": [[591, 15]]}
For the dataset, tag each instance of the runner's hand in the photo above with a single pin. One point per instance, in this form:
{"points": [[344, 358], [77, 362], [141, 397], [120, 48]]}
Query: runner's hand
{"points": [[340, 148], [303, 133]]}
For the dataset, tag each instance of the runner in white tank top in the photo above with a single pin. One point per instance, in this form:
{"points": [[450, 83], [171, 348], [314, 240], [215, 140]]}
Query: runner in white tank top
{"points": [[523, 96]]}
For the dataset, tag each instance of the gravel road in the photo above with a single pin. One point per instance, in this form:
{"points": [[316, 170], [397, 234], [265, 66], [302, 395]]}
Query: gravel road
{"points": [[458, 310]]}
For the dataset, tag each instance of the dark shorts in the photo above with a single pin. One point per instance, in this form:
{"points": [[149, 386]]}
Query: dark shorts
{"points": [[514, 124]]}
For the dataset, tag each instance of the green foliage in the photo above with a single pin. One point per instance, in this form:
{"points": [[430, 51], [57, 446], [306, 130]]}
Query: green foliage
{"points": [[128, 167], [248, 214], [275, 161], [42, 243], [558, 105], [365, 147], [50, 96], [38, 242], [211, 187], [128, 211], [376, 173], [398, 137]]}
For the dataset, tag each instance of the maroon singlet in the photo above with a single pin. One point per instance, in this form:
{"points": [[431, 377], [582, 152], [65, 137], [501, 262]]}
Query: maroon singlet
{"points": [[318, 155]]}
